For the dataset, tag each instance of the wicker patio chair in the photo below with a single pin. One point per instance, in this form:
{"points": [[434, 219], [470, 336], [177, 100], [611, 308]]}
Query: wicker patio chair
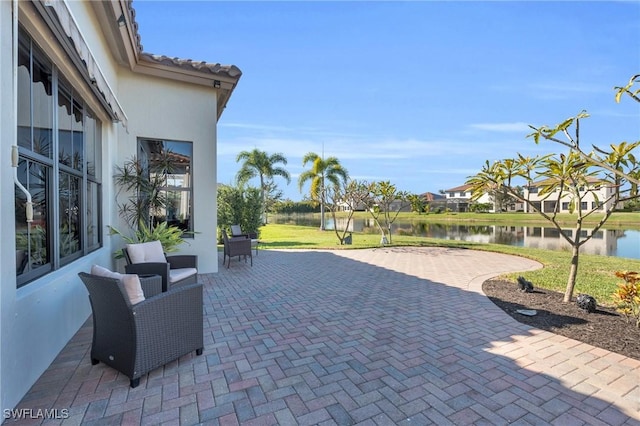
{"points": [[236, 231], [236, 246], [149, 259], [135, 339]]}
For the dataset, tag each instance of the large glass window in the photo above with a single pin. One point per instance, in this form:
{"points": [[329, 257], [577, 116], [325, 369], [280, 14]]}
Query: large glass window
{"points": [[59, 165], [169, 164]]}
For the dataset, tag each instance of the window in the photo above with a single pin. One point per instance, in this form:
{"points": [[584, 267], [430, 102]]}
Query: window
{"points": [[169, 164], [59, 164]]}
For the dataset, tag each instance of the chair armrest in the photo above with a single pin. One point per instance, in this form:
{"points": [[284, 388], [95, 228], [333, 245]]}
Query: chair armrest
{"points": [[183, 261], [171, 323], [239, 237], [151, 268], [151, 285]]}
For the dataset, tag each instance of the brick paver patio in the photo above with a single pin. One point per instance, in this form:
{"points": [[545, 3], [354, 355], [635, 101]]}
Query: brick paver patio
{"points": [[373, 337]]}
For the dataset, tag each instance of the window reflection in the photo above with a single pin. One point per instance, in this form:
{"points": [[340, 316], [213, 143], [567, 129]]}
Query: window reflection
{"points": [[32, 240], [69, 215], [54, 130], [169, 165]]}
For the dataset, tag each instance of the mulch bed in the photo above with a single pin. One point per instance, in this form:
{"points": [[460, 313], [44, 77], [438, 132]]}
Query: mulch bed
{"points": [[604, 328]]}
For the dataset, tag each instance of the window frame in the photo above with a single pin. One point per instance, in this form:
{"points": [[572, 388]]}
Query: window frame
{"points": [[143, 153], [86, 185]]}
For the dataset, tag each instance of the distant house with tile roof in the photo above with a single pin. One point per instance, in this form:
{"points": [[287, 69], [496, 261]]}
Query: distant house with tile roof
{"points": [[594, 195], [458, 199], [80, 96]]}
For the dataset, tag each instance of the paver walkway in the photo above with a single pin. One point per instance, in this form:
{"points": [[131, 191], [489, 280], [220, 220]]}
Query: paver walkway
{"points": [[374, 337]]}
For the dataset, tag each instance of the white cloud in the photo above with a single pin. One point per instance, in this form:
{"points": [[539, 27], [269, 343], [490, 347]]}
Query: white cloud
{"points": [[502, 127]]}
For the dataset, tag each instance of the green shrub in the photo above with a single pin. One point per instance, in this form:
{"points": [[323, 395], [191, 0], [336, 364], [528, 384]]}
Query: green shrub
{"points": [[627, 296], [169, 236]]}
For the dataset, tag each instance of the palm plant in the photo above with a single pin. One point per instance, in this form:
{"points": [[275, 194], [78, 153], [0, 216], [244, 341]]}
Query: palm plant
{"points": [[142, 189], [259, 163], [322, 170]]}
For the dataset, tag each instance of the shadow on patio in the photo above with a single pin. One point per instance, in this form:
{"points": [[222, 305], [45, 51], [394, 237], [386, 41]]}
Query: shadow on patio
{"points": [[383, 336]]}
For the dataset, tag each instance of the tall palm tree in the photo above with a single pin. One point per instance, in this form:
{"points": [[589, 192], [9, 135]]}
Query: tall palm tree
{"points": [[259, 163], [322, 170]]}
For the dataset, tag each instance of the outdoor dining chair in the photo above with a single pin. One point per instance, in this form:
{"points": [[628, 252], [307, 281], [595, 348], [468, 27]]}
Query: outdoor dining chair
{"points": [[236, 231], [236, 246]]}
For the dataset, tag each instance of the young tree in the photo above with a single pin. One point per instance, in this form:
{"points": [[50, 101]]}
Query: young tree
{"points": [[598, 155], [351, 195], [567, 178], [323, 172], [416, 202], [259, 163], [386, 202]]}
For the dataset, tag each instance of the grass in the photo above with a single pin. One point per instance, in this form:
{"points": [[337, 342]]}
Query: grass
{"points": [[595, 273]]}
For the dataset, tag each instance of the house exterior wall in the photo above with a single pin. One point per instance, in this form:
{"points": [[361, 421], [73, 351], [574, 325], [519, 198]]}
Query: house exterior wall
{"points": [[7, 134], [38, 319], [548, 202], [169, 110]]}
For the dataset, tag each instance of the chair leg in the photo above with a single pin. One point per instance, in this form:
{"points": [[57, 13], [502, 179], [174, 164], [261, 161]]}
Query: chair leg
{"points": [[94, 361], [199, 351], [135, 382]]}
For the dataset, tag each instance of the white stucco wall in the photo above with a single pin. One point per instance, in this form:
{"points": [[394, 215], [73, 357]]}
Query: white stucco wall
{"points": [[37, 320], [170, 110], [7, 134]]}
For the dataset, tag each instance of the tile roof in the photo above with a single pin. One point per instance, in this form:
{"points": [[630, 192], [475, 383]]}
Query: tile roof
{"points": [[430, 196], [458, 188], [188, 64]]}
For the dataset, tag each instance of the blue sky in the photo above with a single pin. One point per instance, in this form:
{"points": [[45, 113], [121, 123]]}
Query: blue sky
{"points": [[416, 93]]}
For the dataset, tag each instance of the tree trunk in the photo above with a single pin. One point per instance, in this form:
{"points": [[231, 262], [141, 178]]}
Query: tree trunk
{"points": [[264, 200], [322, 198], [573, 272]]}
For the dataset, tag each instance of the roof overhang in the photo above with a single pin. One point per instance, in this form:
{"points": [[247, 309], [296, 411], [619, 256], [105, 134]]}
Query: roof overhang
{"points": [[121, 32], [60, 20]]}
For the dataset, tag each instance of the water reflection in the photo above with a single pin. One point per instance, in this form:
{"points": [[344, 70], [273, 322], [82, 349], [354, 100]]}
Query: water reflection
{"points": [[621, 243]]}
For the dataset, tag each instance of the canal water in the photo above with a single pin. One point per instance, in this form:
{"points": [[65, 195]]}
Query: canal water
{"points": [[605, 242]]}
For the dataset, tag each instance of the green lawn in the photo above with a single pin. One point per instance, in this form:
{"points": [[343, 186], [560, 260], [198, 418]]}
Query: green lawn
{"points": [[595, 274]]}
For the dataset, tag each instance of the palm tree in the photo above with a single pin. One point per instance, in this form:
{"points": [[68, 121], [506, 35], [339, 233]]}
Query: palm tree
{"points": [[321, 170], [259, 163]]}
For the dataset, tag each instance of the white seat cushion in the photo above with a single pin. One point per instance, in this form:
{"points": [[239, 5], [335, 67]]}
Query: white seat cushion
{"points": [[179, 274], [236, 230], [131, 282], [146, 252]]}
